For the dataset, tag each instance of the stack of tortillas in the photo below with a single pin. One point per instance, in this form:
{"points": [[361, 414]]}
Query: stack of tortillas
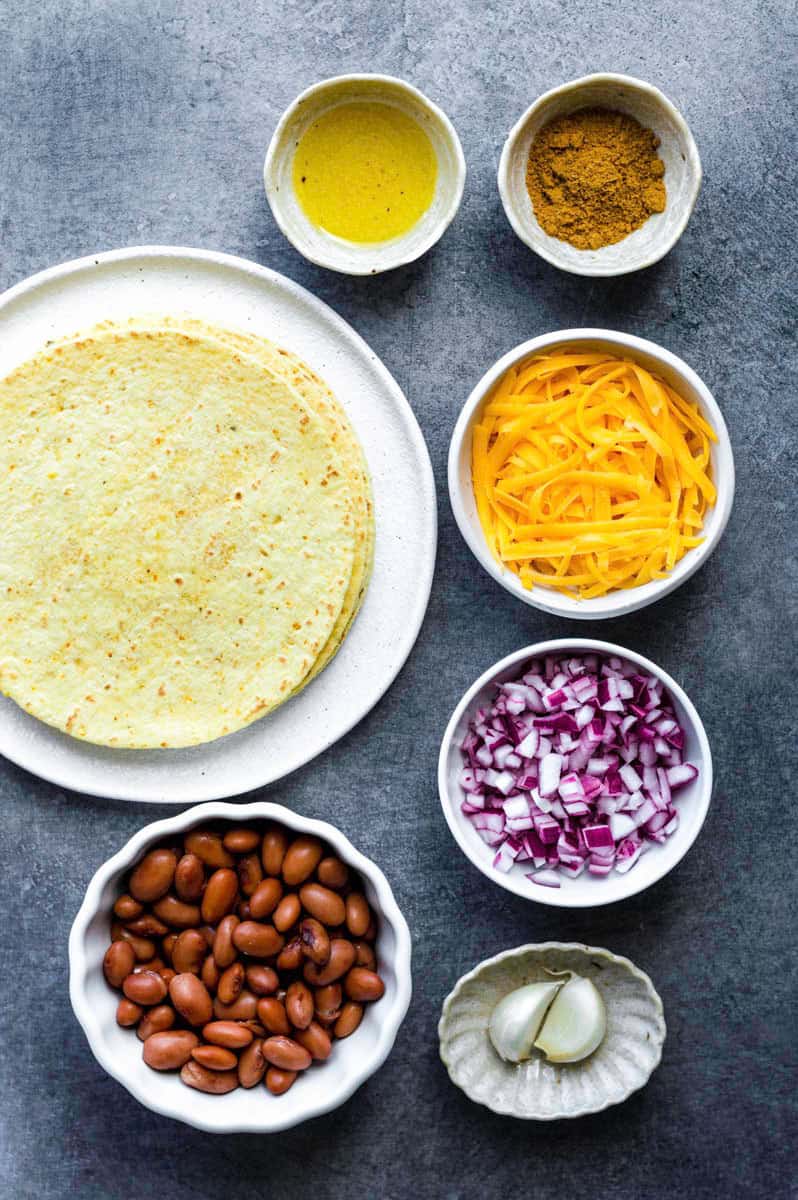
{"points": [[187, 531]]}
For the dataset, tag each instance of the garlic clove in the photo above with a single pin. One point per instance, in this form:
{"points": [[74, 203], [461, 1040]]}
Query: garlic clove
{"points": [[575, 1024], [516, 1020]]}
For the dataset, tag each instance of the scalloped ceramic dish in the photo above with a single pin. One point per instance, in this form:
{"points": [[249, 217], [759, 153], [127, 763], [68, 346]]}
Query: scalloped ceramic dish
{"points": [[319, 1090], [537, 1090]]}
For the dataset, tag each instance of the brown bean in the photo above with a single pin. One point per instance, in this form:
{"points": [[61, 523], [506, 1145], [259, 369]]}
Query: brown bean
{"points": [[363, 985], [323, 904], [146, 988], [215, 1058], [299, 1005], [152, 964], [263, 981], [315, 941], [275, 843], [169, 1049], [315, 1040], [350, 1018], [242, 1009], [278, 1082], [252, 1065], [243, 910], [167, 974], [256, 1028], [257, 940], [265, 898], [118, 963], [153, 877], [287, 912], [230, 1034], [241, 841], [190, 878], [143, 948], [223, 949], [216, 1082], [342, 956], [364, 955], [209, 933], [127, 909], [301, 859], [128, 1013], [189, 953], [148, 925], [157, 1020], [290, 958], [176, 913], [210, 973], [272, 1015], [371, 933], [209, 848], [191, 998], [332, 873], [231, 983], [220, 895], [327, 1002], [358, 914], [287, 1054], [250, 873]]}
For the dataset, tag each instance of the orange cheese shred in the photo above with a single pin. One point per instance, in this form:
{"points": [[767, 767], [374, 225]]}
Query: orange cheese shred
{"points": [[590, 473]]}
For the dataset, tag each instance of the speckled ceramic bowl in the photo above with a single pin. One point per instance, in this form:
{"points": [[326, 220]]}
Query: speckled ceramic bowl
{"points": [[677, 149], [537, 1090], [367, 258]]}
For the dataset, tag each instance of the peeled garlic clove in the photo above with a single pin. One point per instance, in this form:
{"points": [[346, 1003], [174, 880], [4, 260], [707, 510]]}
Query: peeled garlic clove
{"points": [[575, 1024], [516, 1019]]}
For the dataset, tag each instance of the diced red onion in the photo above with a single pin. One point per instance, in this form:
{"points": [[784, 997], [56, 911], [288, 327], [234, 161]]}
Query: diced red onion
{"points": [[574, 767]]}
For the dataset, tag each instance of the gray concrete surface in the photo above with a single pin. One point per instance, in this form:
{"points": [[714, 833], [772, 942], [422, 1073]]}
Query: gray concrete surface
{"points": [[146, 121]]}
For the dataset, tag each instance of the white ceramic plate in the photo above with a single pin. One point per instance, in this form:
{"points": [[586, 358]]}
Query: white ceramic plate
{"points": [[240, 294]]}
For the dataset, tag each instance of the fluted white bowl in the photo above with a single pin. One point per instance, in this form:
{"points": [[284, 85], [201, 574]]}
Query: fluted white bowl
{"points": [[537, 1090], [324, 1086]]}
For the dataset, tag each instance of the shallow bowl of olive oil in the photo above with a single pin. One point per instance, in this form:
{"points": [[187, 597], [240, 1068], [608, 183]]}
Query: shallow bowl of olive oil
{"points": [[364, 173]]}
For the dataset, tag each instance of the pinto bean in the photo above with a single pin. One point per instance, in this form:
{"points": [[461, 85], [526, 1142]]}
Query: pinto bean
{"points": [[332, 873], [241, 841], [156, 1020], [176, 912], [230, 1034], [250, 873], [210, 974], [242, 1009], [315, 1040], [263, 981], [327, 1002], [342, 957], [323, 904], [315, 941], [231, 983], [118, 963], [265, 898], [128, 1013], [299, 1005], [143, 948], [153, 876], [278, 1082], [191, 998], [287, 1054], [189, 952], [363, 986], [147, 925], [220, 895], [257, 940], [189, 878], [215, 1058], [224, 952], [252, 1064], [146, 988], [290, 958], [272, 1015], [358, 914], [364, 955], [169, 1049], [127, 909], [215, 1082], [273, 848], [209, 848], [287, 912], [350, 1018], [301, 859]]}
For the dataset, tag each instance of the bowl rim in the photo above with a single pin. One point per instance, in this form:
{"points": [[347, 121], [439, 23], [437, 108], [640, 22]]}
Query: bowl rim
{"points": [[541, 948], [402, 257], [620, 602], [561, 897], [88, 1019], [573, 85]]}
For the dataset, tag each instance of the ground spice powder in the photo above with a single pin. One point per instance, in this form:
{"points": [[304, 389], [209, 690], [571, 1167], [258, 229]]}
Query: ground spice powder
{"points": [[594, 176]]}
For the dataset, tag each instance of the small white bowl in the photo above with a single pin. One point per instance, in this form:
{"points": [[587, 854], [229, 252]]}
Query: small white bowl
{"points": [[537, 1090], [587, 891], [677, 150], [325, 249], [683, 380], [319, 1090]]}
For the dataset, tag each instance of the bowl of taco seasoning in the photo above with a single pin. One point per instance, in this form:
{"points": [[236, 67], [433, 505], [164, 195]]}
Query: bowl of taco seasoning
{"points": [[600, 176], [364, 173]]}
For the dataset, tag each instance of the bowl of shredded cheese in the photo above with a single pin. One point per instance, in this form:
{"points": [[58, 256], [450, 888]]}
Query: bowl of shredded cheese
{"points": [[591, 472]]}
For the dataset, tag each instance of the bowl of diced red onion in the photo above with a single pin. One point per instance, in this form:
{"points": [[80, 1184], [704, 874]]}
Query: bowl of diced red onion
{"points": [[575, 773]]}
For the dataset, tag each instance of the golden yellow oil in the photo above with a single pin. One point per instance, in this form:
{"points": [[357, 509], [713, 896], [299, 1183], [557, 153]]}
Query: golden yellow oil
{"points": [[365, 171]]}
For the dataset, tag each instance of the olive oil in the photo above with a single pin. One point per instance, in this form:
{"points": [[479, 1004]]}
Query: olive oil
{"points": [[365, 171]]}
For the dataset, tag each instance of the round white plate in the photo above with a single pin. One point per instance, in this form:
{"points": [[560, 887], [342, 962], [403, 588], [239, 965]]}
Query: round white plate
{"points": [[240, 294]]}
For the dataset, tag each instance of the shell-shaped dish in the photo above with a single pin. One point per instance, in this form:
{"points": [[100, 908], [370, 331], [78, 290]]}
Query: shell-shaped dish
{"points": [[537, 1090]]}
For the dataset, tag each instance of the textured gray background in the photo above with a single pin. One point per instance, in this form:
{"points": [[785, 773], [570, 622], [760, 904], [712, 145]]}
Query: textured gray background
{"points": [[144, 121]]}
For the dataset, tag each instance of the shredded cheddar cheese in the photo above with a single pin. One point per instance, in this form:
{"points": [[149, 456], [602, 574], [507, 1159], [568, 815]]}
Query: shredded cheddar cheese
{"points": [[590, 474]]}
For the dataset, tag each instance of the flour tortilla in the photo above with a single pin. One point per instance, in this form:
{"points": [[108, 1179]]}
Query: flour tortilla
{"points": [[177, 538], [322, 401]]}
